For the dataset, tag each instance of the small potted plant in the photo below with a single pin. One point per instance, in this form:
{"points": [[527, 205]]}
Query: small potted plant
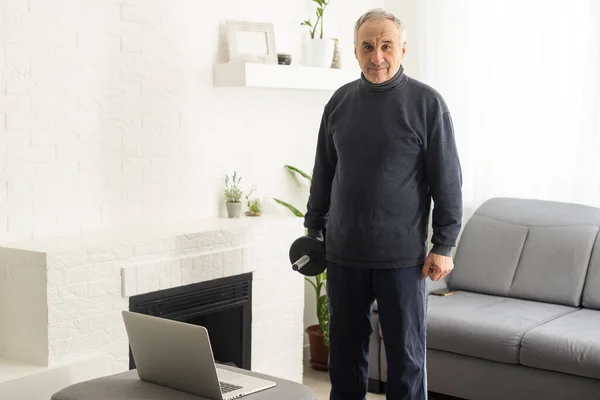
{"points": [[318, 334], [255, 204], [233, 196], [318, 50]]}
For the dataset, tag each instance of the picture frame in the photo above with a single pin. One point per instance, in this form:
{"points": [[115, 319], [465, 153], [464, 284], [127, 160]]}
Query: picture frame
{"points": [[251, 41]]}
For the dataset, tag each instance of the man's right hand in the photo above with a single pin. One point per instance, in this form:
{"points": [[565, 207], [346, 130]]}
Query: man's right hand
{"points": [[437, 266]]}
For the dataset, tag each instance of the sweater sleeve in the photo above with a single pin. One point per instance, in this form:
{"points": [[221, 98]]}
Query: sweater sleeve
{"points": [[323, 172], [445, 181]]}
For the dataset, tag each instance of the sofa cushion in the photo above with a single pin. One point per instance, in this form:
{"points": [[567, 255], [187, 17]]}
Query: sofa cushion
{"points": [[554, 264], [487, 256], [591, 290], [528, 249], [569, 344], [484, 326]]}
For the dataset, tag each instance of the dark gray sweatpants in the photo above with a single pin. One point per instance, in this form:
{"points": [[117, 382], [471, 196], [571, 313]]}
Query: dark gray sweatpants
{"points": [[402, 304]]}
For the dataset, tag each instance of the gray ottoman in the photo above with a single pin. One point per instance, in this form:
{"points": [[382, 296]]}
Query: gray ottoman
{"points": [[127, 386]]}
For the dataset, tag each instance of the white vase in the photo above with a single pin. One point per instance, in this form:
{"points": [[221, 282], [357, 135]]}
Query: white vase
{"points": [[318, 52]]}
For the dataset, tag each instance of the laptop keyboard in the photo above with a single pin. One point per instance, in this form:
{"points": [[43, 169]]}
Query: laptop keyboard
{"points": [[228, 387]]}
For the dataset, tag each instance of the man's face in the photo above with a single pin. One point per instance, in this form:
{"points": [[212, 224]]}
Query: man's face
{"points": [[379, 50]]}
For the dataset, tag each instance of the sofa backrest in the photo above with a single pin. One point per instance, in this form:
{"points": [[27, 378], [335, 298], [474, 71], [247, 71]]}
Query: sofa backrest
{"points": [[529, 249]]}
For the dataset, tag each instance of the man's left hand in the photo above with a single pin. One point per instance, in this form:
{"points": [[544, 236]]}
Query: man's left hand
{"points": [[437, 266]]}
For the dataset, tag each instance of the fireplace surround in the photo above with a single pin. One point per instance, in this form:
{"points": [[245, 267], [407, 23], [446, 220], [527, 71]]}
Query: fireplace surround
{"points": [[61, 298]]}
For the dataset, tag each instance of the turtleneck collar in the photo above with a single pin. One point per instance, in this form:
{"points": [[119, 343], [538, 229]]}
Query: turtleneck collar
{"points": [[377, 88]]}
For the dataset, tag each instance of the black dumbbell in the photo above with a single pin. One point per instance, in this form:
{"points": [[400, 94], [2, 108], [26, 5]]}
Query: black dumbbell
{"points": [[307, 255]]}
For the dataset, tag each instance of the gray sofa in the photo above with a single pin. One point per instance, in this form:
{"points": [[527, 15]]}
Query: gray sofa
{"points": [[526, 322]]}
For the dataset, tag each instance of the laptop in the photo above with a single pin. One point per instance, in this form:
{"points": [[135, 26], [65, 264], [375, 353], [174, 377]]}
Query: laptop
{"points": [[179, 356]]}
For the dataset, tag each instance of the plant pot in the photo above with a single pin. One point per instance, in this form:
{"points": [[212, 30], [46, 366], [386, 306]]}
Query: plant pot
{"points": [[318, 52], [319, 353], [234, 210]]}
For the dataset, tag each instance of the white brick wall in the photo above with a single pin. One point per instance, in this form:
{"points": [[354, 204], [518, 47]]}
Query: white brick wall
{"points": [[108, 119], [108, 115], [88, 280]]}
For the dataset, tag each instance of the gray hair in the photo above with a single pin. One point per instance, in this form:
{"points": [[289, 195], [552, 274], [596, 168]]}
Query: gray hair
{"points": [[377, 14]]}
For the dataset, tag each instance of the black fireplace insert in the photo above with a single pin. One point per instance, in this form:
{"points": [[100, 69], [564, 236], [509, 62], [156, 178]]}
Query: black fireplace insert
{"points": [[223, 306]]}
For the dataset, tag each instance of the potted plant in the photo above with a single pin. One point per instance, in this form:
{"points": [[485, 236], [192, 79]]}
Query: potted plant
{"points": [[318, 51], [255, 204], [233, 196], [318, 334]]}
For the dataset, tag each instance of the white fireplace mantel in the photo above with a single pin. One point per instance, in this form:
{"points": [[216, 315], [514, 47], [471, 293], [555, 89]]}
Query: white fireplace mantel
{"points": [[61, 298]]}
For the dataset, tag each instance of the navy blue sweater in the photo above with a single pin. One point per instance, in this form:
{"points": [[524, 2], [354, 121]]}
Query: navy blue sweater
{"points": [[384, 152]]}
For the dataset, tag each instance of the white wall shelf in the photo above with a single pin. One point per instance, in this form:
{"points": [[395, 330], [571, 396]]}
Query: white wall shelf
{"points": [[256, 75]]}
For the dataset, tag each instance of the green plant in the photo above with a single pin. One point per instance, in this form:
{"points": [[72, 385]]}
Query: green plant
{"points": [[295, 173], [233, 193], [320, 280], [321, 6], [322, 305], [290, 207], [255, 205]]}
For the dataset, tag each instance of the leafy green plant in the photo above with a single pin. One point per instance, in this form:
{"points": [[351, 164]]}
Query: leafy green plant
{"points": [[295, 173], [290, 207], [255, 204], [320, 12], [233, 193], [320, 280], [298, 171], [322, 305]]}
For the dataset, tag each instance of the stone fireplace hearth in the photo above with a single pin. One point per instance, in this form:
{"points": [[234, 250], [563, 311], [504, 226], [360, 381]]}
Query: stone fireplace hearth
{"points": [[61, 299]]}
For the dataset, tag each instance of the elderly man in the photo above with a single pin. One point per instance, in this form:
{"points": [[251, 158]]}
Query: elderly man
{"points": [[385, 150]]}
